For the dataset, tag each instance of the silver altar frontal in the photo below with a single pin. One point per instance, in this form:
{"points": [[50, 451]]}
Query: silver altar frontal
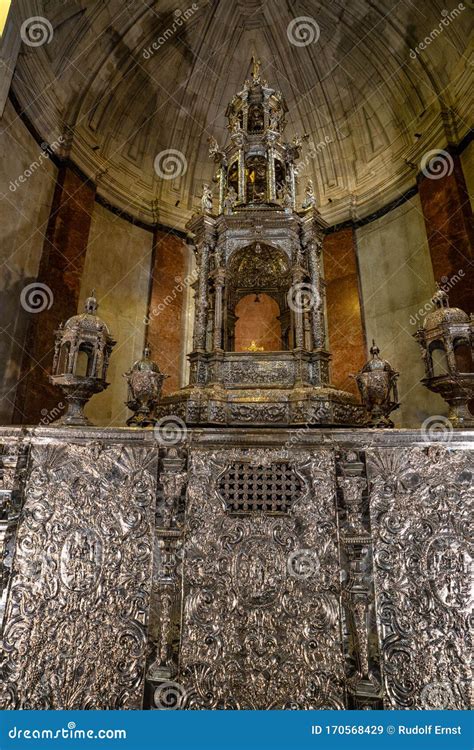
{"points": [[238, 568], [257, 243]]}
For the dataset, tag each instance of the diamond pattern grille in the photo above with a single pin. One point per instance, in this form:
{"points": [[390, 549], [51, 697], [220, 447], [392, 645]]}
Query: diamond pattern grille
{"points": [[246, 488]]}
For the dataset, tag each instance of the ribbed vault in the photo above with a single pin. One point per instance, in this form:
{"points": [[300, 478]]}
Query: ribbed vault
{"points": [[370, 108]]}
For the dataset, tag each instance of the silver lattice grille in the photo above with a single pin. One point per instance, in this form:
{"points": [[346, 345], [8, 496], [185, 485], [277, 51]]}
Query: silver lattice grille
{"points": [[246, 488]]}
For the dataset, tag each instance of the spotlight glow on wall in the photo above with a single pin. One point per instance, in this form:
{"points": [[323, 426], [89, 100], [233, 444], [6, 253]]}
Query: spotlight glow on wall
{"points": [[4, 8]]}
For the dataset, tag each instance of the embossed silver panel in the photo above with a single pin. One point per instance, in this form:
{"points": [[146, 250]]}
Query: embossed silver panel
{"points": [[421, 502], [258, 631], [75, 632], [355, 593]]}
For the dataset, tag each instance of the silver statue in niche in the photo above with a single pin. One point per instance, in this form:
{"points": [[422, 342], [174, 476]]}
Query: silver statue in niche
{"points": [[145, 383], [81, 357], [377, 383], [206, 199], [309, 198], [447, 346], [258, 244]]}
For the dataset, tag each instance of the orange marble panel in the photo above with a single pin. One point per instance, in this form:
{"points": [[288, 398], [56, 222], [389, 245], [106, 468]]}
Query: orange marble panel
{"points": [[166, 307], [344, 315], [448, 219], [257, 321], [61, 266]]}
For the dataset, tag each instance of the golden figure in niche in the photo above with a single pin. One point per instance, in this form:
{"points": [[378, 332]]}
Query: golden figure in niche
{"points": [[253, 347], [256, 174]]}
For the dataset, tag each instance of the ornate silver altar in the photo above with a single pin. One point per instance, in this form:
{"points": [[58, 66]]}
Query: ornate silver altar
{"points": [[257, 243], [239, 568]]}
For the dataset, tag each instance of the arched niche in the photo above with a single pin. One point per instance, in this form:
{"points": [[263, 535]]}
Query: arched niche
{"points": [[64, 357], [280, 176], [256, 178], [233, 176], [463, 355], [439, 358], [84, 361], [253, 271], [256, 118], [257, 323]]}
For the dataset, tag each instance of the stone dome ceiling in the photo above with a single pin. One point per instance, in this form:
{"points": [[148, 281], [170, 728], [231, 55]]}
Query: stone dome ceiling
{"points": [[371, 104]]}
